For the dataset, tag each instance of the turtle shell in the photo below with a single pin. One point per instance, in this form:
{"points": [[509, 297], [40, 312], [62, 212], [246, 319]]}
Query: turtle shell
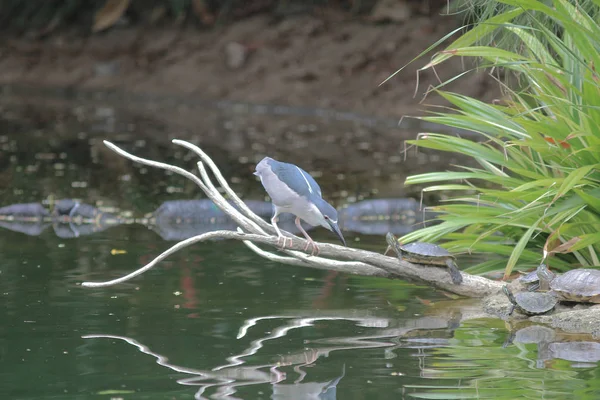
{"points": [[422, 250], [531, 277], [581, 285], [535, 334], [532, 303], [425, 253], [584, 352], [532, 280]]}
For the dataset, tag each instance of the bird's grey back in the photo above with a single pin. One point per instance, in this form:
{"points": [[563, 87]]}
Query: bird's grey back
{"points": [[294, 177]]}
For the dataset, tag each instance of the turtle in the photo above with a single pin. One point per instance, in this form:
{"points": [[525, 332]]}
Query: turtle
{"points": [[532, 279], [587, 353], [530, 334], [530, 303], [581, 285], [545, 276], [425, 253]]}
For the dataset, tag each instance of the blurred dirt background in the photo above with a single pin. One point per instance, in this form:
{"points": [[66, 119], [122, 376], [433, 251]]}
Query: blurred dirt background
{"points": [[331, 54]]}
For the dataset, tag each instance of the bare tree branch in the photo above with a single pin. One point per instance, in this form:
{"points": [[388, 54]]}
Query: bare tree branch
{"points": [[211, 192], [252, 229], [304, 260], [232, 195]]}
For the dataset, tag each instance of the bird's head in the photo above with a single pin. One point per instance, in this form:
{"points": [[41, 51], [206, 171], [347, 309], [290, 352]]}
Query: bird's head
{"points": [[328, 217], [261, 166]]}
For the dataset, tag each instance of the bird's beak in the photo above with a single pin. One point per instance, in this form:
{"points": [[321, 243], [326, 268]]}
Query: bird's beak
{"points": [[336, 229]]}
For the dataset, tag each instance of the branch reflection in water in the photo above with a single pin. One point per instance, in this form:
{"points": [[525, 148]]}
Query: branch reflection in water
{"points": [[388, 334], [225, 378]]}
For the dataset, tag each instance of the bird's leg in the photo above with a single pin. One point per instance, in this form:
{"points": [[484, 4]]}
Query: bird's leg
{"points": [[310, 242], [281, 240]]}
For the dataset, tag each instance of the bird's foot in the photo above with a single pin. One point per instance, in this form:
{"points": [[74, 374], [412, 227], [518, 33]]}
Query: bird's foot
{"points": [[315, 249], [282, 241]]}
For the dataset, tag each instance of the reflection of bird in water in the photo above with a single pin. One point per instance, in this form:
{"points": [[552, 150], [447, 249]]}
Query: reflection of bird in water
{"points": [[328, 285], [224, 380], [312, 390]]}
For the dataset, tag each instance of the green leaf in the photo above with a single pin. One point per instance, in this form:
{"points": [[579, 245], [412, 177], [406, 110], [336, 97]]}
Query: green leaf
{"points": [[592, 201], [514, 257], [573, 179], [476, 34]]}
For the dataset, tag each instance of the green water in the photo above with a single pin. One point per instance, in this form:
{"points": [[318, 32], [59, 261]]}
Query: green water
{"points": [[217, 321]]}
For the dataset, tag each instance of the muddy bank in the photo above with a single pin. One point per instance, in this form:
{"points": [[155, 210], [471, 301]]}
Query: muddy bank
{"points": [[317, 74], [332, 60], [211, 87]]}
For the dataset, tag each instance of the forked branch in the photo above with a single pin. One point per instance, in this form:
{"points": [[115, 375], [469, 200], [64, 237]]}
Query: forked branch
{"points": [[252, 230]]}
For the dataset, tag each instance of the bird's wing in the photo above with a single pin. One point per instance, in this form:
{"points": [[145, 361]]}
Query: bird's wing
{"points": [[296, 178]]}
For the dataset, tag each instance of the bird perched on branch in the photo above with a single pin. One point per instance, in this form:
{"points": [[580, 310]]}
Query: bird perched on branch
{"points": [[293, 190]]}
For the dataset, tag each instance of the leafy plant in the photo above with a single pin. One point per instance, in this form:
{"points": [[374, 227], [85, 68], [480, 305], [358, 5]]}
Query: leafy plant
{"points": [[538, 164], [482, 10]]}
